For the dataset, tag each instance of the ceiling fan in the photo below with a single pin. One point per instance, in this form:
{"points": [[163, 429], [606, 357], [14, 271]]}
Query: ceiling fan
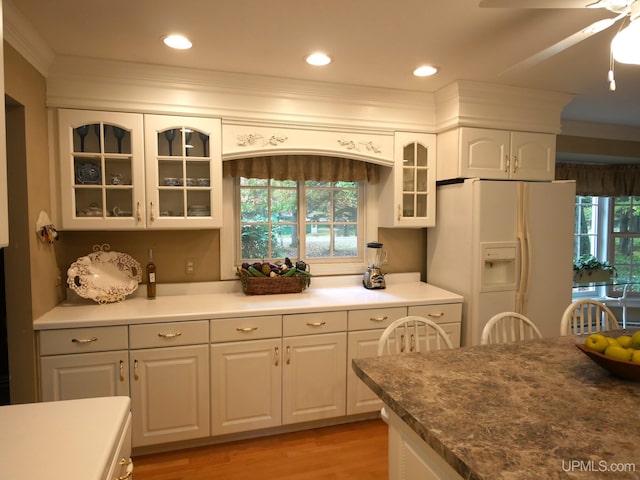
{"points": [[625, 47]]}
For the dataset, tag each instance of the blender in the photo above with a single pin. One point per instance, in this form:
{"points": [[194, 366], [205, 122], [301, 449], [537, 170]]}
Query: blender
{"points": [[376, 256]]}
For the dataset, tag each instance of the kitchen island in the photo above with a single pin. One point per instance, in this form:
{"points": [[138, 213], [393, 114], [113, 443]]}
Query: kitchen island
{"points": [[530, 410]]}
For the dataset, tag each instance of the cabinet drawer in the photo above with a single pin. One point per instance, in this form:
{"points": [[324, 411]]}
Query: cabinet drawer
{"points": [[79, 340], [373, 318], [169, 334], [312, 323], [443, 313], [246, 328]]}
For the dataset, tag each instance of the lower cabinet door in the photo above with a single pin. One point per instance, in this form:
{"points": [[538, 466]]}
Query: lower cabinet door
{"points": [[246, 385], [314, 377], [84, 375], [360, 398], [169, 394]]}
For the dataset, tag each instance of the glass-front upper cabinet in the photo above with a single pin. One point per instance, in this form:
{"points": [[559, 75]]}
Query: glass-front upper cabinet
{"points": [[184, 172], [408, 190], [102, 170]]}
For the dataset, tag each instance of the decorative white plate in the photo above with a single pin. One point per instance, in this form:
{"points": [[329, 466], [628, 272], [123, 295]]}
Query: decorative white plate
{"points": [[104, 276]]}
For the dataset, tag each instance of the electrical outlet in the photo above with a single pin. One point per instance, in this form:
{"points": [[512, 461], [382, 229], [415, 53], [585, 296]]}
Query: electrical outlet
{"points": [[189, 266]]}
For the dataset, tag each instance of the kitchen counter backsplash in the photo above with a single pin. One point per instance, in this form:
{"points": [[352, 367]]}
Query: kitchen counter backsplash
{"points": [[225, 299]]}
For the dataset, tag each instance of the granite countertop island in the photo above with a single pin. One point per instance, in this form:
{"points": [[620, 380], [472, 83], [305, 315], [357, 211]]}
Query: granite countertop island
{"points": [[532, 410]]}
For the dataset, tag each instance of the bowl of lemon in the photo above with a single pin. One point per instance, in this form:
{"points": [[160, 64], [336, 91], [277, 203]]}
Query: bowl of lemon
{"points": [[616, 351]]}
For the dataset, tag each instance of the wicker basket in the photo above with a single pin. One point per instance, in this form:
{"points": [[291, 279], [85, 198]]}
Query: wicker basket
{"points": [[272, 285]]}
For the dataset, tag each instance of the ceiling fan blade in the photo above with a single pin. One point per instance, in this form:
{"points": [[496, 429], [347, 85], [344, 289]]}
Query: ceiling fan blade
{"points": [[535, 3], [562, 45]]}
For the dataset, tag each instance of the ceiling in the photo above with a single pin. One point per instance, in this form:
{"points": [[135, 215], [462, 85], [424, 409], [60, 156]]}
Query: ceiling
{"points": [[373, 42]]}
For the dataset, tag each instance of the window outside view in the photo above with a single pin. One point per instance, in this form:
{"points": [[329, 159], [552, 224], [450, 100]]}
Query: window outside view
{"points": [[329, 225], [609, 229]]}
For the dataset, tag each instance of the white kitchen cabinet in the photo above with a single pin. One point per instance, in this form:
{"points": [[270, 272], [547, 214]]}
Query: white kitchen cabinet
{"points": [[246, 374], [83, 362], [127, 171], [448, 316], [184, 172], [365, 328], [407, 195], [101, 170], [495, 154], [169, 384], [85, 375], [411, 458], [314, 373]]}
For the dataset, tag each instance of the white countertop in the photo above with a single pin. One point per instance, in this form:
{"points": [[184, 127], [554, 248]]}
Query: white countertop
{"points": [[65, 440], [193, 302]]}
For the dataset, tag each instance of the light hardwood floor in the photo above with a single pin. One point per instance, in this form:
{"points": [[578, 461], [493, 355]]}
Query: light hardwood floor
{"points": [[355, 451]]}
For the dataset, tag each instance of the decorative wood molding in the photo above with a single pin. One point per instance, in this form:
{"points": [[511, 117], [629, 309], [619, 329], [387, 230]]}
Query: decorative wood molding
{"points": [[352, 145], [247, 139]]}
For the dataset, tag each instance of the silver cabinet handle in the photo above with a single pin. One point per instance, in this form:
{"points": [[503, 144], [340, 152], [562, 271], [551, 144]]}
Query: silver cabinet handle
{"points": [[288, 355], [135, 370], [122, 371], [169, 335], [277, 356], [316, 324], [129, 473], [84, 340], [436, 315], [378, 319], [246, 329], [515, 163]]}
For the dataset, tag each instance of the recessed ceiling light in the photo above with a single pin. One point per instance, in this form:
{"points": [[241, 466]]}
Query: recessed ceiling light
{"points": [[425, 71], [318, 59], [179, 42]]}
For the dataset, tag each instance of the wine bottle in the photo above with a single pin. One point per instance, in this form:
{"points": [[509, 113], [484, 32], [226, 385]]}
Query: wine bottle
{"points": [[151, 276]]}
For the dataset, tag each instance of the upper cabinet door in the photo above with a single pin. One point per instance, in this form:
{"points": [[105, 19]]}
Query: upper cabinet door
{"points": [[484, 153], [184, 172], [102, 170], [408, 197], [533, 156]]}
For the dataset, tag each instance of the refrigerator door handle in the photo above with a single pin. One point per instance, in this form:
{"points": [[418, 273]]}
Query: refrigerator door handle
{"points": [[525, 257]]}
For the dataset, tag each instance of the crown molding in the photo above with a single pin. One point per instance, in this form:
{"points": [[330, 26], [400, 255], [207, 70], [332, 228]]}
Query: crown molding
{"points": [[19, 33], [78, 82], [478, 104]]}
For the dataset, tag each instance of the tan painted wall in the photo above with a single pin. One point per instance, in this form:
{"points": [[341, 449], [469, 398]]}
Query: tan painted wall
{"points": [[30, 265]]}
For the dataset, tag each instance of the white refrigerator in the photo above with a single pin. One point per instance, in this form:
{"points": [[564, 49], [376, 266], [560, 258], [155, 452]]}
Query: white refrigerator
{"points": [[504, 246]]}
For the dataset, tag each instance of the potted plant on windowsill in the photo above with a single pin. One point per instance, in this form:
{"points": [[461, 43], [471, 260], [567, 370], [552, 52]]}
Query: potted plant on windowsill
{"points": [[587, 269]]}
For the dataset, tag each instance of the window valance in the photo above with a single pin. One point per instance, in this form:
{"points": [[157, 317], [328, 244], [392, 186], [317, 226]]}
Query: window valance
{"points": [[303, 167], [602, 180]]}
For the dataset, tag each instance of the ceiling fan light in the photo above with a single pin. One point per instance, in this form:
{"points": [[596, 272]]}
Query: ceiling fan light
{"points": [[625, 46]]}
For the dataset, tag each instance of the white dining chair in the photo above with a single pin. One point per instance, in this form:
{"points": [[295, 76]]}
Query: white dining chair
{"points": [[587, 316], [508, 327], [413, 334]]}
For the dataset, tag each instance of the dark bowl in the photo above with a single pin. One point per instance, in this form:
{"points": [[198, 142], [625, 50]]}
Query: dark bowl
{"points": [[619, 368]]}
